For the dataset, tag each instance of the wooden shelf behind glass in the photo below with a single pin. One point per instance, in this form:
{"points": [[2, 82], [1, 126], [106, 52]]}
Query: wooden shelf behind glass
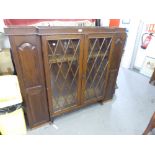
{"points": [[60, 58]]}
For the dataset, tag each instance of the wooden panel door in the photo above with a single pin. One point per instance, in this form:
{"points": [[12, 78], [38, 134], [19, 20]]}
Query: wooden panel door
{"points": [[96, 60], [36, 108], [29, 65], [63, 55]]}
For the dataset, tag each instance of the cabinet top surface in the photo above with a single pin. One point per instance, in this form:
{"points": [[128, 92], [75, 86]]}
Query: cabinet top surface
{"points": [[47, 30]]}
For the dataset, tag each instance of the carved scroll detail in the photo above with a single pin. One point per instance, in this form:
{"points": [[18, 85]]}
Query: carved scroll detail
{"points": [[26, 45]]}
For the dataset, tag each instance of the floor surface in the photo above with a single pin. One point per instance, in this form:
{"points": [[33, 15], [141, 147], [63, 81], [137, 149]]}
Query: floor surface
{"points": [[127, 114]]}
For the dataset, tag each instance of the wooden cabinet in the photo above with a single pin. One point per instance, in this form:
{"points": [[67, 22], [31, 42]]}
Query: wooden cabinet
{"points": [[61, 69]]}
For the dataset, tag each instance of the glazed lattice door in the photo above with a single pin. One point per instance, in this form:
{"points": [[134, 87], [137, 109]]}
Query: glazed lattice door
{"points": [[64, 54], [96, 64]]}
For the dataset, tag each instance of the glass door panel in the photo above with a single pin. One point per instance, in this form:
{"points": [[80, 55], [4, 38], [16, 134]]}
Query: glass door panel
{"points": [[63, 59], [97, 63]]}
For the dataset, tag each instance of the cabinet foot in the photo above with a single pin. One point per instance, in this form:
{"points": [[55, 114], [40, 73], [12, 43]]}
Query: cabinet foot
{"points": [[101, 102], [51, 120]]}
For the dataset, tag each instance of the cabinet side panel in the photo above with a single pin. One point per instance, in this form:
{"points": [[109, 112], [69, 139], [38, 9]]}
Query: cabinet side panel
{"points": [[27, 56], [117, 51], [114, 65], [38, 111], [112, 76]]}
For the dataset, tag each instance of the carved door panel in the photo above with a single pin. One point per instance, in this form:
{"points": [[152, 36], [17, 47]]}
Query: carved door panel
{"points": [[63, 56], [29, 66], [28, 57], [96, 60]]}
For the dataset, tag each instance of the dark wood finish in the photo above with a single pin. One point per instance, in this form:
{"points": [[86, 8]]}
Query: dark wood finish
{"points": [[111, 83], [46, 68], [36, 99], [96, 68], [58, 67], [45, 39], [152, 80], [45, 30], [151, 125], [77, 107], [26, 50], [113, 68]]}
